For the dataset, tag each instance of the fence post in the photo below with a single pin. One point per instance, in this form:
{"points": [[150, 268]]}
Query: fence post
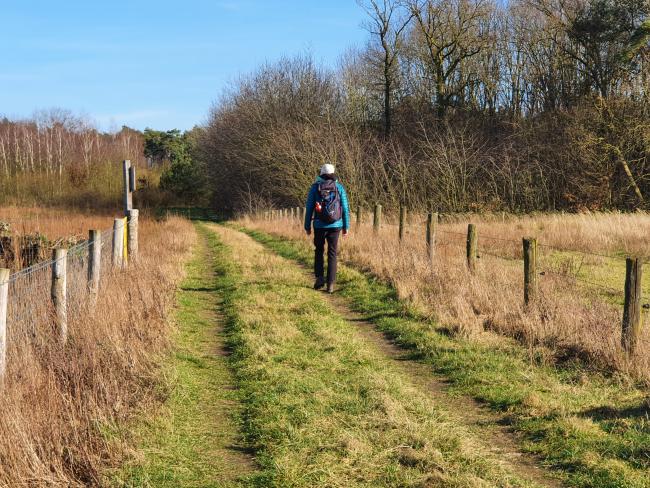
{"points": [[132, 233], [128, 197], [530, 270], [472, 246], [359, 215], [303, 215], [376, 221], [432, 223], [632, 308], [402, 222], [94, 264], [118, 243], [59, 292], [4, 301]]}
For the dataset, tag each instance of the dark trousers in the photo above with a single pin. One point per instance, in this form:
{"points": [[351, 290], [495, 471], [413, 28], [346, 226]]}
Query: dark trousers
{"points": [[332, 238]]}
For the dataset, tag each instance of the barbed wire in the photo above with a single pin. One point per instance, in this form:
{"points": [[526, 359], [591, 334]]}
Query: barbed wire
{"points": [[573, 276]]}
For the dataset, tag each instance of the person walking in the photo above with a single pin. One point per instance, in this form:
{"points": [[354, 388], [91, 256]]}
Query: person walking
{"points": [[327, 206]]}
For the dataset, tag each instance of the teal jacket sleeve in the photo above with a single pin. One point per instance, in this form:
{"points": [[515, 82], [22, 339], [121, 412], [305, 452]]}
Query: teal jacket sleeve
{"points": [[346, 207], [309, 207]]}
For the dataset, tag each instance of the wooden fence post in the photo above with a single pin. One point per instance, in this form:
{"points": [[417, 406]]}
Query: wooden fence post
{"points": [[632, 308], [128, 197], [59, 292], [432, 224], [134, 215], [4, 302], [359, 215], [402, 222], [94, 264], [118, 243], [472, 246], [530, 270], [376, 221]]}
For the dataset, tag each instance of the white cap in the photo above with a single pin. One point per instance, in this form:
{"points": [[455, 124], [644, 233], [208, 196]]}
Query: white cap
{"points": [[327, 169]]}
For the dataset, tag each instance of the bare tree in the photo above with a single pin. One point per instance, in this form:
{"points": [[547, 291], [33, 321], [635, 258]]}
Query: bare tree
{"points": [[449, 32], [387, 25]]}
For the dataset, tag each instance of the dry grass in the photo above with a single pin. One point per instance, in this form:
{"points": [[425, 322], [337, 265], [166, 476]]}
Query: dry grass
{"points": [[572, 319], [60, 405]]}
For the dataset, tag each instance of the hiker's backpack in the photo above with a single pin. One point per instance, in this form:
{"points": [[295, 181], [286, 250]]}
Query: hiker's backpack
{"points": [[328, 202]]}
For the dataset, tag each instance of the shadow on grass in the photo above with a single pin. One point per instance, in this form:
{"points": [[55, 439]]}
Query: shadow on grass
{"points": [[611, 413]]}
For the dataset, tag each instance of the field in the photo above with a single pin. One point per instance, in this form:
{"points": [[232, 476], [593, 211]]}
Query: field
{"points": [[581, 267], [211, 361]]}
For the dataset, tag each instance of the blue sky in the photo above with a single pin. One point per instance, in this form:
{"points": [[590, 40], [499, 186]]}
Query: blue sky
{"points": [[155, 63]]}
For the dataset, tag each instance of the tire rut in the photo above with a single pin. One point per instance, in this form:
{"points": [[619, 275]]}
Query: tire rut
{"points": [[489, 426]]}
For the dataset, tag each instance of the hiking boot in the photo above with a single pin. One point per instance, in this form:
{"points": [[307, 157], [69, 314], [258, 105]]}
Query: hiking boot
{"points": [[320, 283], [330, 288]]}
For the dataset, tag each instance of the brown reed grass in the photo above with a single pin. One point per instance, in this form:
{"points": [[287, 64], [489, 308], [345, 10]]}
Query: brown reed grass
{"points": [[62, 406], [570, 321]]}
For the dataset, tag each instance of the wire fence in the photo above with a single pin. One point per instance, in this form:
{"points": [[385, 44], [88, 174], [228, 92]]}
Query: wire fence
{"points": [[38, 301], [540, 267]]}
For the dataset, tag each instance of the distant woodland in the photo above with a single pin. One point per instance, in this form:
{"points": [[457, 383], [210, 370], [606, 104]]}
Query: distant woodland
{"points": [[455, 105], [459, 105]]}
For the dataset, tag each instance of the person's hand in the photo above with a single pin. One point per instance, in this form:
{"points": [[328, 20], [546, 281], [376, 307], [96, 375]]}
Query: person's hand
{"points": [[308, 232], [345, 232]]}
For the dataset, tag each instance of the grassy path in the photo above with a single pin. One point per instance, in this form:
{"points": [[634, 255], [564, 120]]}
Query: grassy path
{"points": [[325, 406], [194, 440], [591, 427]]}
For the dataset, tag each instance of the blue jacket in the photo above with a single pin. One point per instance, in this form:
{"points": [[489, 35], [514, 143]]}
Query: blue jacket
{"points": [[343, 223]]}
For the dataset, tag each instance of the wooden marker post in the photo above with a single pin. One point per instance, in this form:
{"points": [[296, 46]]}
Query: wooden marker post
{"points": [[402, 222], [472, 247], [59, 292], [132, 234], [432, 224], [530, 270], [4, 302], [632, 319], [118, 243], [128, 196], [359, 215], [132, 181]]}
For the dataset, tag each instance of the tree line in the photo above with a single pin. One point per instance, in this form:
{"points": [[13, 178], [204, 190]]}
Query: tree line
{"points": [[451, 104], [59, 158]]}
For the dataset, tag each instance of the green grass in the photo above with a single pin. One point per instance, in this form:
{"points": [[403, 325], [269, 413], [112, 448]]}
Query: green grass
{"points": [[595, 429], [186, 444], [324, 407]]}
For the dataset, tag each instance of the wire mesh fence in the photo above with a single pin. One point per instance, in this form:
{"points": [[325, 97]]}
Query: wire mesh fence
{"points": [[40, 300]]}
